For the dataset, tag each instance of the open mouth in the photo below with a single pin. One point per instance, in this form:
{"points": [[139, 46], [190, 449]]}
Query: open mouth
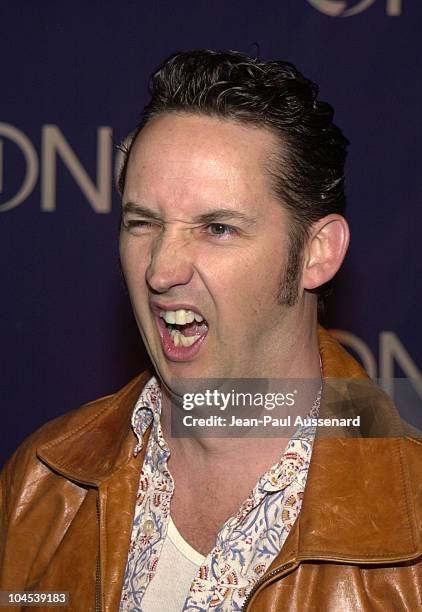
{"points": [[182, 331]]}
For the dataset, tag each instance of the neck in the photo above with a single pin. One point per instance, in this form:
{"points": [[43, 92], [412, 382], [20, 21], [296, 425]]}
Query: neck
{"points": [[295, 353], [221, 454]]}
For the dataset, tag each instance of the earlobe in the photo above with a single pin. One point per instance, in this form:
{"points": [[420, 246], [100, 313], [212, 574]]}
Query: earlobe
{"points": [[326, 247]]}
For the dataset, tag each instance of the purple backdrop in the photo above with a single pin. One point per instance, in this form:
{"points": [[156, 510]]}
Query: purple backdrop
{"points": [[73, 80]]}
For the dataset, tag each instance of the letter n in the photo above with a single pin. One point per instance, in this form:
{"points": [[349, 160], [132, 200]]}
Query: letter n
{"points": [[55, 144]]}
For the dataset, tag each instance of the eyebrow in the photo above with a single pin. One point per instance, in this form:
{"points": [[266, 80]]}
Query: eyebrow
{"points": [[143, 211], [215, 216], [225, 214]]}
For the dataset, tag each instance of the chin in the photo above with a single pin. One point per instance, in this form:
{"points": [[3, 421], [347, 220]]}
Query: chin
{"points": [[180, 378]]}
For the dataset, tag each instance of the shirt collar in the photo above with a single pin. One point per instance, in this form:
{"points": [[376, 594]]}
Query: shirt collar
{"points": [[148, 410], [294, 462]]}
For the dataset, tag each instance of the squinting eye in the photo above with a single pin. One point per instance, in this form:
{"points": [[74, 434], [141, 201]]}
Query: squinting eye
{"points": [[135, 224], [221, 229]]}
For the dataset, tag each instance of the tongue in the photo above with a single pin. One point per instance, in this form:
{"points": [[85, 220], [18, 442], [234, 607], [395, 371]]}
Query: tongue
{"points": [[191, 329]]}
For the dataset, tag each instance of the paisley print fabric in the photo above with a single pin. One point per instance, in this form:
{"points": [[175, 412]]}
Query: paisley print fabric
{"points": [[246, 544]]}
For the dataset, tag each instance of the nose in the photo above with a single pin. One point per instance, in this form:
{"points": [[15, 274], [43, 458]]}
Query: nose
{"points": [[170, 263]]}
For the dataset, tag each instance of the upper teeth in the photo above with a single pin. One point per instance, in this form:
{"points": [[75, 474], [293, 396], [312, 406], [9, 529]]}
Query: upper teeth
{"points": [[180, 317]]}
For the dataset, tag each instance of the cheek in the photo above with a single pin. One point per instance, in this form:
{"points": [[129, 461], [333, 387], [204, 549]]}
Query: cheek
{"points": [[260, 274], [124, 257], [133, 262]]}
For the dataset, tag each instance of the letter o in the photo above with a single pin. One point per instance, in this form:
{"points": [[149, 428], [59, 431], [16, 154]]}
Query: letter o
{"points": [[32, 166]]}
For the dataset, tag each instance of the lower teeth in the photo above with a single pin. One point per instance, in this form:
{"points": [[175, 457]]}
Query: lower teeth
{"points": [[180, 340]]}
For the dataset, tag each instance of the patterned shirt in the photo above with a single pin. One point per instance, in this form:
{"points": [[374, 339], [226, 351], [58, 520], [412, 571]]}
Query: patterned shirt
{"points": [[246, 544]]}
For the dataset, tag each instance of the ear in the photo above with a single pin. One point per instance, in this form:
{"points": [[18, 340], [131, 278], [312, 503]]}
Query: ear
{"points": [[325, 250]]}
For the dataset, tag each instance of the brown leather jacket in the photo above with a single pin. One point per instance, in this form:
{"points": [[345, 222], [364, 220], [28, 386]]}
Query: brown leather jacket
{"points": [[68, 494]]}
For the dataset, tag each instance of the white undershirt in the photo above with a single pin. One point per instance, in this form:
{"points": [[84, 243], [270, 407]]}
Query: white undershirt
{"points": [[177, 567]]}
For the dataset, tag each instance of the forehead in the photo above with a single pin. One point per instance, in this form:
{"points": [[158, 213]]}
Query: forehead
{"points": [[190, 153]]}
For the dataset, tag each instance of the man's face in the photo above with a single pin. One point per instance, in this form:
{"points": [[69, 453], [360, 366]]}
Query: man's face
{"points": [[204, 246]]}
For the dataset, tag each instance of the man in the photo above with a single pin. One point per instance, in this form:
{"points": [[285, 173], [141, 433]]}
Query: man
{"points": [[232, 223]]}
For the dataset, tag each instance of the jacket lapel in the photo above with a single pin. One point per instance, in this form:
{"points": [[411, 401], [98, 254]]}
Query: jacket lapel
{"points": [[100, 454]]}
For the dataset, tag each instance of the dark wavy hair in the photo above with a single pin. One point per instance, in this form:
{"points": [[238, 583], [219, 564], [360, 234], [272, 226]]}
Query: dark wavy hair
{"points": [[307, 170]]}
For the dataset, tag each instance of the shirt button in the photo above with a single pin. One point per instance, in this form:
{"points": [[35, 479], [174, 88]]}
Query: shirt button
{"points": [[148, 527]]}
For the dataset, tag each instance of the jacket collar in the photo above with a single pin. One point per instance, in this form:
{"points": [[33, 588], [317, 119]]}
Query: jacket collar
{"points": [[96, 440], [357, 503]]}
